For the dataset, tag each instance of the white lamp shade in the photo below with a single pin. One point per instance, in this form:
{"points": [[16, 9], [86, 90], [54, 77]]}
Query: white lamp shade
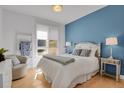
{"points": [[111, 41], [68, 43]]}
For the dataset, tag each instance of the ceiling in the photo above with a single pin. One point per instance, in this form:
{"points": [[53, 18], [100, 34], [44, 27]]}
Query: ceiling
{"points": [[69, 13]]}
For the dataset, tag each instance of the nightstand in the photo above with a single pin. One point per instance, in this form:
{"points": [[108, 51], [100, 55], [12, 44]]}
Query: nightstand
{"points": [[109, 61]]}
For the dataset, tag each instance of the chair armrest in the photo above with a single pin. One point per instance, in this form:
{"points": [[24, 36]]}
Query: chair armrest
{"points": [[22, 59]]}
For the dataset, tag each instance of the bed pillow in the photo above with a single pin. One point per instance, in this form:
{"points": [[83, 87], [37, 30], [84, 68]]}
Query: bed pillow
{"points": [[77, 52], [85, 53], [93, 52]]}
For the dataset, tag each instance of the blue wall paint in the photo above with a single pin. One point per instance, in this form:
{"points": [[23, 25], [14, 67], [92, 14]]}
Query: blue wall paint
{"points": [[97, 26]]}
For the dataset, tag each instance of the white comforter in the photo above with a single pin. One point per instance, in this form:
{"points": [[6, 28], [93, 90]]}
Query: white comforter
{"points": [[62, 75]]}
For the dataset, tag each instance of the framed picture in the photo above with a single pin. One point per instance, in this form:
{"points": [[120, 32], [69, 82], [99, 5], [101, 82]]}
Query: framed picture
{"points": [[22, 37]]}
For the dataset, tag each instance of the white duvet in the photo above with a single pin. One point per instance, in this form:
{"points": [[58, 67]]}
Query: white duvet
{"points": [[61, 76]]}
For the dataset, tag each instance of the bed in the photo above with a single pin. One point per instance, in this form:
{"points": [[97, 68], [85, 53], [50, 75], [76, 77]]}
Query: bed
{"points": [[64, 76]]}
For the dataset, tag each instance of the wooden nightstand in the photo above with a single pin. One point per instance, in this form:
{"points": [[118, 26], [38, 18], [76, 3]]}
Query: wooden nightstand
{"points": [[115, 62]]}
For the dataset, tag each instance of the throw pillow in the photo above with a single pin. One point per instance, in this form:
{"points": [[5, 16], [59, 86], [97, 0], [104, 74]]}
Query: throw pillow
{"points": [[77, 52], [85, 53]]}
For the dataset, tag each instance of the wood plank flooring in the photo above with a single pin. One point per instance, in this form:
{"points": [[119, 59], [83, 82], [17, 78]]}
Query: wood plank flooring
{"points": [[96, 82]]}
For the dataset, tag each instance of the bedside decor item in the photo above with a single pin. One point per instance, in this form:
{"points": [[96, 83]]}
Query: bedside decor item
{"points": [[68, 45], [2, 51], [111, 41]]}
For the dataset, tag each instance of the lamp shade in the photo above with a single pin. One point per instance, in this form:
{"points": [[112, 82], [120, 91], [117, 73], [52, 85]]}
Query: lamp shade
{"points": [[68, 43], [111, 41]]}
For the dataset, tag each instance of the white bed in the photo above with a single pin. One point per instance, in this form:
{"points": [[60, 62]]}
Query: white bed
{"points": [[63, 76]]}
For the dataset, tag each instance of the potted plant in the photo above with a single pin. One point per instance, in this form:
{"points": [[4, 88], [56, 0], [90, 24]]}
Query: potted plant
{"points": [[2, 51]]}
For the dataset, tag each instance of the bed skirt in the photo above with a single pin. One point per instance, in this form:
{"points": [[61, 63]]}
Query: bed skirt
{"points": [[83, 78], [80, 79]]}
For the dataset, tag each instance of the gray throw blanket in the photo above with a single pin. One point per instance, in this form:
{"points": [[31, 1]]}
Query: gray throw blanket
{"points": [[60, 59]]}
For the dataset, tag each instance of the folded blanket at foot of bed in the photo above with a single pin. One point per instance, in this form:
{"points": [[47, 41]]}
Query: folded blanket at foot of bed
{"points": [[60, 59]]}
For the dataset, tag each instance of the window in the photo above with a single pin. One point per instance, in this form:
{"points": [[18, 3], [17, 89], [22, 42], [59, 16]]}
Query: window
{"points": [[42, 35], [41, 43], [47, 39], [42, 39]]}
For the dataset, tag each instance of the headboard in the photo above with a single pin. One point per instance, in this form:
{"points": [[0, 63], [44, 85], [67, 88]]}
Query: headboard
{"points": [[90, 45]]}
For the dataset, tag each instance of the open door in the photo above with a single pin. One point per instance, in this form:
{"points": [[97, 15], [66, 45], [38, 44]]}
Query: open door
{"points": [[53, 47]]}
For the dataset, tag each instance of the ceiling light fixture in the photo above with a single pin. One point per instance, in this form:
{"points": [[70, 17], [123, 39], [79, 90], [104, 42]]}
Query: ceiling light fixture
{"points": [[57, 8]]}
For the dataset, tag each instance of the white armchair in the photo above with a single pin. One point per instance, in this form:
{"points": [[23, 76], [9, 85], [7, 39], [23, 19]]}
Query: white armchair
{"points": [[19, 71]]}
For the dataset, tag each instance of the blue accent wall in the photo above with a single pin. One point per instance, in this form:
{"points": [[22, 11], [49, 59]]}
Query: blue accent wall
{"points": [[95, 27]]}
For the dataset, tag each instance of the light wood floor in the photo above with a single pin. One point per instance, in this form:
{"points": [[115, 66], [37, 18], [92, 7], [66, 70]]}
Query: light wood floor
{"points": [[96, 82]]}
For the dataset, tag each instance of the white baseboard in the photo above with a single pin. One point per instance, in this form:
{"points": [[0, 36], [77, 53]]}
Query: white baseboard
{"points": [[122, 77]]}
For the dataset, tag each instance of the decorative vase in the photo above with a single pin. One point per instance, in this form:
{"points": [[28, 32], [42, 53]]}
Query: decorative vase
{"points": [[2, 58]]}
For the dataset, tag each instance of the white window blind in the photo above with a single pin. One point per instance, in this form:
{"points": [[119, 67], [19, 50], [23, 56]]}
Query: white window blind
{"points": [[42, 32], [53, 33]]}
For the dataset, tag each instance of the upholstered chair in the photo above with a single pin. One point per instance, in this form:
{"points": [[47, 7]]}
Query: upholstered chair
{"points": [[19, 71], [19, 68]]}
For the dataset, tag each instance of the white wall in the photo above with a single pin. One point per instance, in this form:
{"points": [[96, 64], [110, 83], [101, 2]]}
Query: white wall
{"points": [[62, 39], [1, 28], [14, 23]]}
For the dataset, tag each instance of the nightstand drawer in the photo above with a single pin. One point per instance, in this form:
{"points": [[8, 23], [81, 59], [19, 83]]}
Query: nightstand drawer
{"points": [[110, 61]]}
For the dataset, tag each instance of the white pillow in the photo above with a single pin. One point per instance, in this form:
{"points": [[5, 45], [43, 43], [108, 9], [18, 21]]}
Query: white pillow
{"points": [[88, 46], [93, 52], [15, 60]]}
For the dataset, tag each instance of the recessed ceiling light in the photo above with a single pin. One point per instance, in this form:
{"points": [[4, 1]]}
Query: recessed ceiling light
{"points": [[57, 8]]}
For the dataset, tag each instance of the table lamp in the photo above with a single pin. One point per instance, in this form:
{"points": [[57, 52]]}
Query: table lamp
{"points": [[111, 41]]}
